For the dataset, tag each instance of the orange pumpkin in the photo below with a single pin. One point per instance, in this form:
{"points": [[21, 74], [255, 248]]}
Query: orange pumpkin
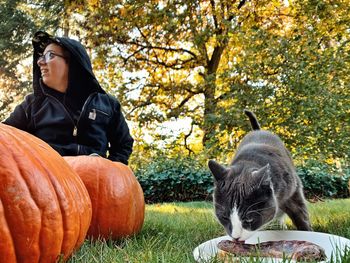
{"points": [[45, 210], [117, 199]]}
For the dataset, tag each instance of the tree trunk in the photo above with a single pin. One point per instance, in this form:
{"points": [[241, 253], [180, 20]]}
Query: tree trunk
{"points": [[210, 103], [65, 23]]}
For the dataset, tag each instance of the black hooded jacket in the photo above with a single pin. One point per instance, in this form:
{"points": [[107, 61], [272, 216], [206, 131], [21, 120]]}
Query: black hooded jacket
{"points": [[82, 121]]}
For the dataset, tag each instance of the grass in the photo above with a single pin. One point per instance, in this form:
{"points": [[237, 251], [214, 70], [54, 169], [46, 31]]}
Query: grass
{"points": [[172, 230]]}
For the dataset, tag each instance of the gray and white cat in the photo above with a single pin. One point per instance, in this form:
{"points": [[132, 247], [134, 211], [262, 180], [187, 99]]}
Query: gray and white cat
{"points": [[260, 185]]}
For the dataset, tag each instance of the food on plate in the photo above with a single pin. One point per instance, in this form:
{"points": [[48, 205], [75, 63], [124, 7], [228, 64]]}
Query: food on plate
{"points": [[291, 249]]}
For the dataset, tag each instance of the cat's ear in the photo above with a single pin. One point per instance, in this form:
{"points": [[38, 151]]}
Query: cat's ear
{"points": [[217, 170], [263, 175]]}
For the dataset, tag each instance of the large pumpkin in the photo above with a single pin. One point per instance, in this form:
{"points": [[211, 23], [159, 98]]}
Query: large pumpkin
{"points": [[45, 210], [117, 199]]}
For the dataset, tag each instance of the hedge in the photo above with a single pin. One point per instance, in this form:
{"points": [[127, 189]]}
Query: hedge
{"points": [[186, 179]]}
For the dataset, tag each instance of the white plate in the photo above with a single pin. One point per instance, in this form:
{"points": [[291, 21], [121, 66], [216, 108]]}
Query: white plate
{"points": [[330, 243]]}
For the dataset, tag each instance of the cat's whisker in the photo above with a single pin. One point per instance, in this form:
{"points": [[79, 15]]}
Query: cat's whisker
{"points": [[252, 206], [265, 208], [258, 210], [255, 212]]}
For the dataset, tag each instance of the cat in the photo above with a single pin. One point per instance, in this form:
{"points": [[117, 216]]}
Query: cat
{"points": [[259, 186]]}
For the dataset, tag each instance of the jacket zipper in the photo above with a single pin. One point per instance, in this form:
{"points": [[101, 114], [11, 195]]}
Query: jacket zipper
{"points": [[81, 114], [75, 128], [102, 112], [83, 109]]}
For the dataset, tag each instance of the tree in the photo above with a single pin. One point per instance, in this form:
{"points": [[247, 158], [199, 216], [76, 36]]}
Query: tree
{"points": [[207, 60], [303, 66], [178, 44], [18, 22], [210, 59]]}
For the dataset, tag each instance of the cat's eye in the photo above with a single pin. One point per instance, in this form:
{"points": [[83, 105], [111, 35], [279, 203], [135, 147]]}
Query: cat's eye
{"points": [[225, 218]]}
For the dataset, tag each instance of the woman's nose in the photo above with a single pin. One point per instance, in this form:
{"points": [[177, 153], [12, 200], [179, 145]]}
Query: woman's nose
{"points": [[41, 61]]}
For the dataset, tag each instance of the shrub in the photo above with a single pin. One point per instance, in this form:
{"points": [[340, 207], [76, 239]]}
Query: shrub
{"points": [[178, 179], [320, 181], [187, 179]]}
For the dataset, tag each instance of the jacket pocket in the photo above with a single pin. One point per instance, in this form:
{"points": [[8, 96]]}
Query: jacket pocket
{"points": [[98, 116]]}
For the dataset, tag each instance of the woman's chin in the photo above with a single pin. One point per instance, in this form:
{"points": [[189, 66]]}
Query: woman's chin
{"points": [[46, 80]]}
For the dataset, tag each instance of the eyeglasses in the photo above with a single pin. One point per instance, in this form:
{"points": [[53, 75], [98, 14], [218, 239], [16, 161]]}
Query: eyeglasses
{"points": [[49, 55]]}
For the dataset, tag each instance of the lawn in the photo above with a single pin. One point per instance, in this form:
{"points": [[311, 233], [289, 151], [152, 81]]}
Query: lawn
{"points": [[172, 230]]}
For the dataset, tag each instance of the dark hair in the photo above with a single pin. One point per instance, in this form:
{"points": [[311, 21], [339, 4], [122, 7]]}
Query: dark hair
{"points": [[66, 54]]}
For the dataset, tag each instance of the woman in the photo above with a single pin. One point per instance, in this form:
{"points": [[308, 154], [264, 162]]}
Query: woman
{"points": [[68, 108]]}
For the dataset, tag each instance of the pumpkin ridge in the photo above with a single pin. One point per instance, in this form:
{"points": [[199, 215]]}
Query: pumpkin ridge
{"points": [[137, 220], [12, 224], [94, 201], [98, 210], [8, 236], [32, 194], [116, 200], [65, 219], [79, 188], [127, 180], [24, 148], [95, 205], [133, 227], [63, 200], [48, 207]]}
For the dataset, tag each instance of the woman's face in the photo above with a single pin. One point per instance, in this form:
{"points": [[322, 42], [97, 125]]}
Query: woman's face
{"points": [[54, 68]]}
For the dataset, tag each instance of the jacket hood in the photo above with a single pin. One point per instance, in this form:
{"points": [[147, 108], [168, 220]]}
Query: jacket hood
{"points": [[81, 79]]}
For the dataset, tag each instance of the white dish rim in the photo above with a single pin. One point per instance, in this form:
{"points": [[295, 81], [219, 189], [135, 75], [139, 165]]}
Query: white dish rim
{"points": [[208, 249]]}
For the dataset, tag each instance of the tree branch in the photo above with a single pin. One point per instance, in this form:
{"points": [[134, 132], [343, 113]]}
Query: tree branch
{"points": [[175, 112], [179, 64], [185, 139], [216, 24], [179, 50], [241, 4]]}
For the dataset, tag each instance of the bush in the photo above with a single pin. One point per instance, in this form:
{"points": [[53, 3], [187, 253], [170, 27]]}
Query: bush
{"points": [[178, 179], [187, 179], [322, 182]]}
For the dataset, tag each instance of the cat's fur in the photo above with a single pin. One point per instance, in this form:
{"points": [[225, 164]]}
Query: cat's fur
{"points": [[260, 184]]}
